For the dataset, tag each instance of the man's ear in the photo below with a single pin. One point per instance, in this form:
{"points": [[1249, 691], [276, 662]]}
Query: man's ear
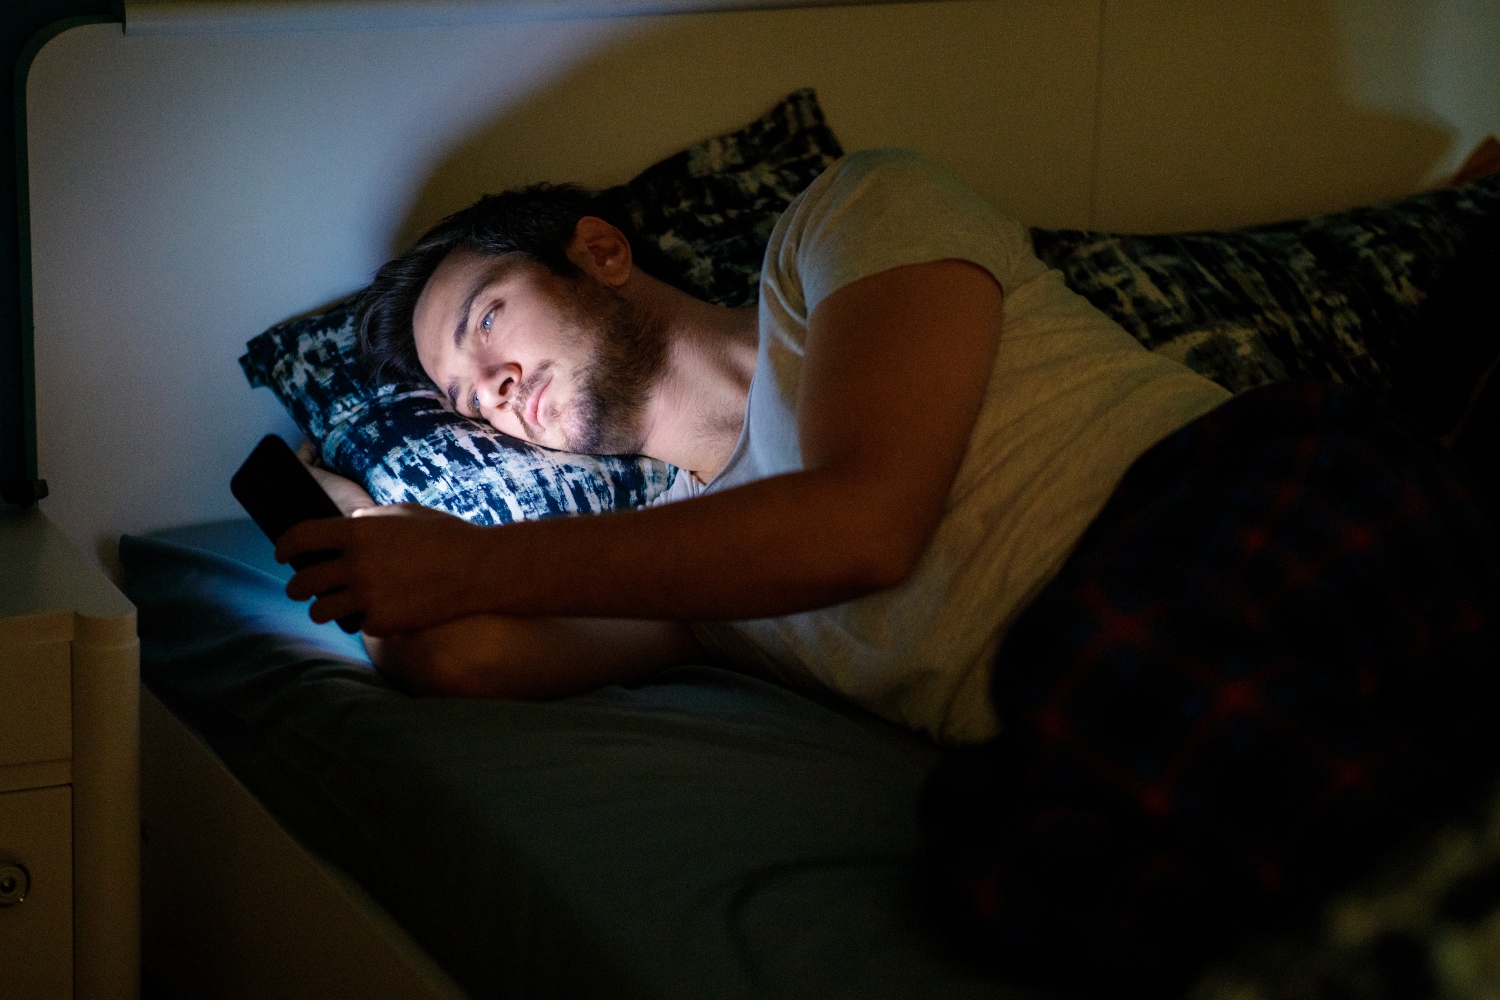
{"points": [[601, 250]]}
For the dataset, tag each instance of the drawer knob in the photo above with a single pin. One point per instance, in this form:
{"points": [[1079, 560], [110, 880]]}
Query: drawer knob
{"points": [[15, 881]]}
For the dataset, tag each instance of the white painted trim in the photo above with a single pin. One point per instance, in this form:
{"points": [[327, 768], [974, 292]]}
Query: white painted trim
{"points": [[181, 17], [106, 817], [38, 774], [234, 908]]}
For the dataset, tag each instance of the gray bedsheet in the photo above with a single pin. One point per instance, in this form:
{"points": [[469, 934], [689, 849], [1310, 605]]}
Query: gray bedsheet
{"points": [[704, 835]]}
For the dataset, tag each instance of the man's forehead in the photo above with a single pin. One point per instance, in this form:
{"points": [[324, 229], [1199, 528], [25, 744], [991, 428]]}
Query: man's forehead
{"points": [[439, 305], [456, 277]]}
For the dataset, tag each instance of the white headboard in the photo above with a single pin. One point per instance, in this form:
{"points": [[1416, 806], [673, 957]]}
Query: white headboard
{"points": [[188, 190]]}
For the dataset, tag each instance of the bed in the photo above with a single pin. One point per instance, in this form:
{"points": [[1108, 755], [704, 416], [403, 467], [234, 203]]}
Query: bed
{"points": [[215, 169], [708, 834]]}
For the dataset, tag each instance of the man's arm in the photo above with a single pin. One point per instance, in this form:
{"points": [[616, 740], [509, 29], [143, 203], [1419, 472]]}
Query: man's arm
{"points": [[492, 656], [497, 657], [894, 376], [347, 495]]}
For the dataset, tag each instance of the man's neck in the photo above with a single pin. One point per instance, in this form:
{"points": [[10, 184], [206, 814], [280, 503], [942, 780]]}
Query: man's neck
{"points": [[695, 414]]}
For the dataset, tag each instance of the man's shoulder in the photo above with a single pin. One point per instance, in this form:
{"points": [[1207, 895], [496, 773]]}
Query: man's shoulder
{"points": [[878, 209], [885, 158], [892, 166], [889, 188]]}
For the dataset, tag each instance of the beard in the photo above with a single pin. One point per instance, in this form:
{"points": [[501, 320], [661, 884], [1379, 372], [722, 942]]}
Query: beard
{"points": [[628, 352]]}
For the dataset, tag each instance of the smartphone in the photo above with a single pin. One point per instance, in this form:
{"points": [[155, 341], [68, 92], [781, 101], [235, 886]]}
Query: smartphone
{"points": [[277, 491]]}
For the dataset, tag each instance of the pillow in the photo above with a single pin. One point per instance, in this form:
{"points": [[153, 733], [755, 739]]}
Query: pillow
{"points": [[704, 217], [710, 209], [406, 446], [1332, 297]]}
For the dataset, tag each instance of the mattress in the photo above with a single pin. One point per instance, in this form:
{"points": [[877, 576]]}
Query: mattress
{"points": [[706, 834]]}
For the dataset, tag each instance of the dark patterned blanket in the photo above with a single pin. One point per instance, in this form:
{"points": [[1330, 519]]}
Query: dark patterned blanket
{"points": [[1270, 661]]}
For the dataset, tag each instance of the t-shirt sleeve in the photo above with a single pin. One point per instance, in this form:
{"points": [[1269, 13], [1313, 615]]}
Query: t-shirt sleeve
{"points": [[880, 209], [683, 487]]}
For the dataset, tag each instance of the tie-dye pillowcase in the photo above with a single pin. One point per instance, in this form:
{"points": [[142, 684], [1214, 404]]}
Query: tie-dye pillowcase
{"points": [[705, 214], [406, 446], [1335, 297]]}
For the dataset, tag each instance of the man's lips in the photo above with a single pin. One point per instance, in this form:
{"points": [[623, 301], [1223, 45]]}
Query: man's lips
{"points": [[534, 405]]}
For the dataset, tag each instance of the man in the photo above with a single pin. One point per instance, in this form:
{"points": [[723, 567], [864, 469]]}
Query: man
{"points": [[882, 464], [1233, 650]]}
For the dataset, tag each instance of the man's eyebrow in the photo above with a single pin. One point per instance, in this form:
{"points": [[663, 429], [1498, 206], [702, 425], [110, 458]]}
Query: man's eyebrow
{"points": [[462, 329], [501, 267], [453, 392]]}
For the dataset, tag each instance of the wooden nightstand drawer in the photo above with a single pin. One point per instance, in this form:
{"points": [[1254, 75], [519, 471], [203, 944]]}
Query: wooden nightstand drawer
{"points": [[36, 712], [69, 771], [36, 934]]}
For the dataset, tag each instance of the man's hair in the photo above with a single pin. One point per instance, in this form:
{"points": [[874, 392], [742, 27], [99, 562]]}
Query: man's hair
{"points": [[534, 223]]}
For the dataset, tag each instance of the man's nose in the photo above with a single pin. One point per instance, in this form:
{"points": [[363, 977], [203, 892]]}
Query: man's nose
{"points": [[498, 387]]}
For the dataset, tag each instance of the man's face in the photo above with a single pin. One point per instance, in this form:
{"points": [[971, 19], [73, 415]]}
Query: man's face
{"points": [[564, 362]]}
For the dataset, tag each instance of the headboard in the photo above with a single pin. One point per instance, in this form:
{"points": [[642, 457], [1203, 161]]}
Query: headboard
{"points": [[204, 170]]}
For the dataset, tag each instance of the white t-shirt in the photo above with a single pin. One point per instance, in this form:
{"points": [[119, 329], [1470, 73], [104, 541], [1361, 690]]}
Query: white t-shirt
{"points": [[1072, 401]]}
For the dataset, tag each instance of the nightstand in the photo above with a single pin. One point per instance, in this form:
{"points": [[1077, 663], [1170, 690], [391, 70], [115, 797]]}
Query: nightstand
{"points": [[69, 771]]}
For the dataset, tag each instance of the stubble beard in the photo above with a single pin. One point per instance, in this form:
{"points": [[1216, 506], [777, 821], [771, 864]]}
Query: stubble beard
{"points": [[627, 357]]}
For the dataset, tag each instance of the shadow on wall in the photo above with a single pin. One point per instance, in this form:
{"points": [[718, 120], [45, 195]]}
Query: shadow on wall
{"points": [[1219, 115], [1208, 115], [949, 79], [610, 109]]}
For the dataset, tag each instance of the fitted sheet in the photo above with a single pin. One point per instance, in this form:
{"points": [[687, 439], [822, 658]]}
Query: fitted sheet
{"points": [[707, 834]]}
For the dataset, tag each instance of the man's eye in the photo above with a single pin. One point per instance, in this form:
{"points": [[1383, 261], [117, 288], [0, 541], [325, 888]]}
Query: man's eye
{"points": [[474, 402], [488, 321]]}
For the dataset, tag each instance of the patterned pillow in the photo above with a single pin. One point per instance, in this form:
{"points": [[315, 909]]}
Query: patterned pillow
{"points": [[704, 215], [405, 446], [710, 209], [1333, 297]]}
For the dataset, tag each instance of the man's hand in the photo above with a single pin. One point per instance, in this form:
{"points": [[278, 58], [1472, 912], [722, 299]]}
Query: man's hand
{"points": [[403, 565], [347, 495], [353, 501]]}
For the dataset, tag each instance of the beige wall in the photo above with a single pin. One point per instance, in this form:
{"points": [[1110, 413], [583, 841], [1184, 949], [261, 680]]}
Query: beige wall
{"points": [[959, 81], [1217, 115], [189, 190], [1199, 113]]}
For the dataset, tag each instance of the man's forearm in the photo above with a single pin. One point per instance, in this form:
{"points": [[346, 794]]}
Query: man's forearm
{"points": [[499, 657], [777, 546]]}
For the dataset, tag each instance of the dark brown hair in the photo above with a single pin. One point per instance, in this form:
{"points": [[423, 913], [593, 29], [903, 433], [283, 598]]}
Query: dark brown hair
{"points": [[534, 223]]}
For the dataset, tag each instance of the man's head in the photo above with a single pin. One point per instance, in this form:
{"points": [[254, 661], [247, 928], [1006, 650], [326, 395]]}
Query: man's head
{"points": [[517, 309]]}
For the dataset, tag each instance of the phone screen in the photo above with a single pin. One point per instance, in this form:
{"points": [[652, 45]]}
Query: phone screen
{"points": [[277, 491]]}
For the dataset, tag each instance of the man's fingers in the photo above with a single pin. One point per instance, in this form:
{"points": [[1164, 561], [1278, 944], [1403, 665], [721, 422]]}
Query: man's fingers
{"points": [[317, 579], [307, 453], [395, 510], [335, 605], [311, 536], [396, 570]]}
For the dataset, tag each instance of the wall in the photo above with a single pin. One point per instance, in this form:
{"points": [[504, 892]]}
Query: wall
{"points": [[1218, 115], [190, 190]]}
